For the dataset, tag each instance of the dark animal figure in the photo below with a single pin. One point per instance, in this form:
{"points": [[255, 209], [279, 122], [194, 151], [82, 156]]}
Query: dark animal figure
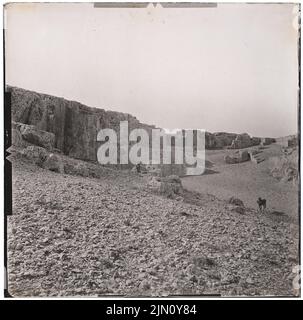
{"points": [[138, 167], [262, 204]]}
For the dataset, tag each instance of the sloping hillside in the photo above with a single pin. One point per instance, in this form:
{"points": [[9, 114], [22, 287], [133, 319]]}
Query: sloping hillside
{"points": [[73, 235]]}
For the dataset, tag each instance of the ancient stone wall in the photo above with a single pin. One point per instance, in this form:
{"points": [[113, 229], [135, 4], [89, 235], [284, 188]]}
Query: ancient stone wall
{"points": [[74, 125]]}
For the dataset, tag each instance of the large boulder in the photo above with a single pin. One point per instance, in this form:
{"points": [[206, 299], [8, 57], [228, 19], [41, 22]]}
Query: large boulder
{"points": [[229, 159], [154, 183], [237, 157], [36, 154], [54, 163], [171, 186], [236, 201], [35, 136], [244, 155], [285, 168], [237, 205]]}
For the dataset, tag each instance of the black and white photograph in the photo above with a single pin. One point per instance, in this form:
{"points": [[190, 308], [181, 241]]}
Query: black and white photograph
{"points": [[152, 149]]}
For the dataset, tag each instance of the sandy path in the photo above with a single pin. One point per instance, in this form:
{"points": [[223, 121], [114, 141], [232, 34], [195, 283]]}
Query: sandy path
{"points": [[246, 181]]}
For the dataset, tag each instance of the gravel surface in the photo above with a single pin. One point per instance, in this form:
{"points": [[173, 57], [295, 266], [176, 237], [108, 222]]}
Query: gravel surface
{"points": [[76, 236]]}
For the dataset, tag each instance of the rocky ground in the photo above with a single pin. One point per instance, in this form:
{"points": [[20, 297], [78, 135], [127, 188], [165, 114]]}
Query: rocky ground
{"points": [[114, 235]]}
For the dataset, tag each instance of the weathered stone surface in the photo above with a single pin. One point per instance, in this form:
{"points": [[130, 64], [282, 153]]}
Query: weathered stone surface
{"points": [[285, 168], [244, 155], [54, 163], [230, 160], [17, 138], [255, 141], [36, 154], [210, 140], [242, 141], [224, 139], [74, 125], [154, 183], [236, 202], [32, 135], [171, 186], [237, 157]]}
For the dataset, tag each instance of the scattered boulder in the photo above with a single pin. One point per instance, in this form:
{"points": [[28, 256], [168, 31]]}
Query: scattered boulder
{"points": [[171, 186], [285, 168], [236, 202], [293, 142], [154, 170], [154, 183], [230, 160], [244, 155], [36, 154], [35, 136], [54, 163], [237, 157], [238, 209]]}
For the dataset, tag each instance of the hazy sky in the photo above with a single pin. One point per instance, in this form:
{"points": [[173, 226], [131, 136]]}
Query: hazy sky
{"points": [[230, 68]]}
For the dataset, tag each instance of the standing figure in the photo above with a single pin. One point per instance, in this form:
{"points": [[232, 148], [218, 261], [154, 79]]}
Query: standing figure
{"points": [[262, 204]]}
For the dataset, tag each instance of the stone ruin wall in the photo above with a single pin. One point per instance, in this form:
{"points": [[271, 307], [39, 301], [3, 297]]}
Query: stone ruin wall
{"points": [[75, 126]]}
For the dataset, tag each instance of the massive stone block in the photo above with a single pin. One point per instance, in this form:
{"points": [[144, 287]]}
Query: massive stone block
{"points": [[35, 136], [74, 125]]}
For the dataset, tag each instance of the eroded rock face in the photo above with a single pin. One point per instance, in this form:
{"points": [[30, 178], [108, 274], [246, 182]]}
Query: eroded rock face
{"points": [[224, 139], [241, 141], [74, 125], [255, 141], [35, 136], [17, 138], [54, 163], [72, 128], [36, 154], [236, 202]]}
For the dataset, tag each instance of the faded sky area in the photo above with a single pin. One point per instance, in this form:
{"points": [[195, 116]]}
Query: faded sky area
{"points": [[230, 68]]}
